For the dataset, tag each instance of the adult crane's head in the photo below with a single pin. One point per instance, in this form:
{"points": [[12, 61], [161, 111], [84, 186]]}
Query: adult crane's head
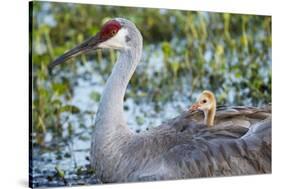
{"points": [[118, 33]]}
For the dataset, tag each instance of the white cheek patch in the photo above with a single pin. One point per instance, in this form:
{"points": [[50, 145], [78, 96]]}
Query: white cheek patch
{"points": [[116, 42]]}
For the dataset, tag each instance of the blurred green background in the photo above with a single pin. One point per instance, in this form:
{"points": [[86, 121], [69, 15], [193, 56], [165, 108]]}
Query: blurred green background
{"points": [[185, 52]]}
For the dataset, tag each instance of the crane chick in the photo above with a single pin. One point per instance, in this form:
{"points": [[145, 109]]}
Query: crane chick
{"points": [[207, 103]]}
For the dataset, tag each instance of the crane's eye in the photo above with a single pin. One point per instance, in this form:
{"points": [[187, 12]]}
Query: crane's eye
{"points": [[204, 101], [113, 32]]}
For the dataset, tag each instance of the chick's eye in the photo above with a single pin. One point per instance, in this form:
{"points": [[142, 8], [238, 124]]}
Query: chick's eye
{"points": [[204, 101]]}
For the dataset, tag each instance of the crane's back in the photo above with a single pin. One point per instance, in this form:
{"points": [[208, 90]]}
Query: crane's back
{"points": [[184, 148]]}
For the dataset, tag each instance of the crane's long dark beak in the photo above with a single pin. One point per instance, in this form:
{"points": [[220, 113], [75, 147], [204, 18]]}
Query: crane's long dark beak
{"points": [[90, 44]]}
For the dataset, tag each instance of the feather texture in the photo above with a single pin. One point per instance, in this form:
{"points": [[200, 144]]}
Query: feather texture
{"points": [[239, 143]]}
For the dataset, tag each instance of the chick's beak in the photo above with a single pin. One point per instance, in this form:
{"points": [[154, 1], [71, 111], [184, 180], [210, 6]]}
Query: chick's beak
{"points": [[194, 107], [89, 44]]}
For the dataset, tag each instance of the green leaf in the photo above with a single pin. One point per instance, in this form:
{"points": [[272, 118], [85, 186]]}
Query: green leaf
{"points": [[56, 103], [70, 108], [70, 129], [60, 172], [238, 75], [140, 120], [59, 88], [166, 48], [43, 92], [175, 67], [219, 50], [95, 96]]}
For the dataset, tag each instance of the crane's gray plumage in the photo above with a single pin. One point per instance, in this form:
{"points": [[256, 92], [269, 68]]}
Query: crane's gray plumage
{"points": [[239, 143]]}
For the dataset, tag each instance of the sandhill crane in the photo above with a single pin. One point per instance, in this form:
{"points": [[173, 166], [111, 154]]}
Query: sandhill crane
{"points": [[179, 148], [207, 103]]}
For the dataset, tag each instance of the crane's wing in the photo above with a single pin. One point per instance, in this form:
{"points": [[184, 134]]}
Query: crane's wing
{"points": [[225, 116], [219, 153], [239, 143]]}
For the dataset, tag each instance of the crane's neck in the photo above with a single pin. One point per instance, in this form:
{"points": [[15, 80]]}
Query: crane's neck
{"points": [[110, 116], [210, 116]]}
